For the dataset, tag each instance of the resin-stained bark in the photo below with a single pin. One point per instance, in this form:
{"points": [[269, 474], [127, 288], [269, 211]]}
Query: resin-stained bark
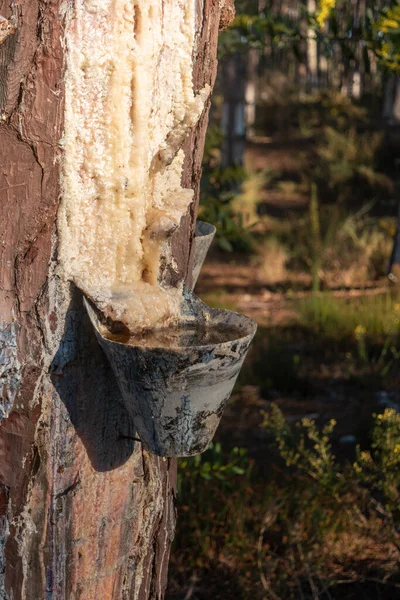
{"points": [[85, 513]]}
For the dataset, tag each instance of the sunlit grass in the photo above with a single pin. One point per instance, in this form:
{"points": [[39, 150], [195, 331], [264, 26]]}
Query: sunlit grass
{"points": [[337, 318], [219, 299], [252, 192]]}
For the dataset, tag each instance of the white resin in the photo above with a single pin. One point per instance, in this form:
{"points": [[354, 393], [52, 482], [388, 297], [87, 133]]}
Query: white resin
{"points": [[129, 106]]}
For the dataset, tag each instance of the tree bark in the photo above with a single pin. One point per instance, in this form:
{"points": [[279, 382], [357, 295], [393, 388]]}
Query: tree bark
{"points": [[85, 512]]}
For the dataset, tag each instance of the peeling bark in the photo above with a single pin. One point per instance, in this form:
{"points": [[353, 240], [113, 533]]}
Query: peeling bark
{"points": [[84, 511]]}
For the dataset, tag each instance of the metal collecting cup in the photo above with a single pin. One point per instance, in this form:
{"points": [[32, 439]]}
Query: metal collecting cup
{"points": [[176, 394]]}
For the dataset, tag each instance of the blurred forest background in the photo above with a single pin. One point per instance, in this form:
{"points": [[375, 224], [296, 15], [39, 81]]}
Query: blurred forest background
{"points": [[298, 497]]}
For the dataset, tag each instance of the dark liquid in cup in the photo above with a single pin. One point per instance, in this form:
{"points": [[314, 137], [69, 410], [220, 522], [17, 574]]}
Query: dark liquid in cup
{"points": [[181, 337]]}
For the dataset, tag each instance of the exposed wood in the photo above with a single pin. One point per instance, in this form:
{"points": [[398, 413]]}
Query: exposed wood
{"points": [[7, 28], [85, 513]]}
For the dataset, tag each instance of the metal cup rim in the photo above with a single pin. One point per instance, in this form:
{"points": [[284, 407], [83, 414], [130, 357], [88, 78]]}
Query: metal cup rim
{"points": [[250, 327]]}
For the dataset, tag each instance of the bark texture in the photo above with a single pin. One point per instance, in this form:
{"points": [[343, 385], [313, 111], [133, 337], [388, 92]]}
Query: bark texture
{"points": [[84, 511]]}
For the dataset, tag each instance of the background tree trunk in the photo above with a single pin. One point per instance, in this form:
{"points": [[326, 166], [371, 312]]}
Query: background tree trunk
{"points": [[233, 123], [85, 512], [253, 57], [312, 52]]}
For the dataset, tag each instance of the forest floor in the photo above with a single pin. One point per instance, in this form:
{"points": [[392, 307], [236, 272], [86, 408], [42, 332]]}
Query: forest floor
{"points": [[322, 355], [317, 365]]}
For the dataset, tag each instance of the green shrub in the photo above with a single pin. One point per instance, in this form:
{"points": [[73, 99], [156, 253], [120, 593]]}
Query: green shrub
{"points": [[293, 531], [219, 186], [347, 165], [379, 467], [211, 488]]}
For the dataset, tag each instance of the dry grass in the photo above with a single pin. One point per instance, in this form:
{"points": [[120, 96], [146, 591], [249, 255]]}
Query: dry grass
{"points": [[271, 259]]}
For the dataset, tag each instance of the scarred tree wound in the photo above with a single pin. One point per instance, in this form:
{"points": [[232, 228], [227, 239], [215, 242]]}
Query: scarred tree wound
{"points": [[84, 512], [129, 107]]}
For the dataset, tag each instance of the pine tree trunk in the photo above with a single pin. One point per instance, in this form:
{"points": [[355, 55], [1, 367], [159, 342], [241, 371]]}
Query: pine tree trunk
{"points": [[251, 90], [85, 512], [233, 123], [312, 52], [389, 96]]}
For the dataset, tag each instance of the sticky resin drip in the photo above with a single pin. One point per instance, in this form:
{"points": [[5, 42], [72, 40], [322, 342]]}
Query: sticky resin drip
{"points": [[129, 106]]}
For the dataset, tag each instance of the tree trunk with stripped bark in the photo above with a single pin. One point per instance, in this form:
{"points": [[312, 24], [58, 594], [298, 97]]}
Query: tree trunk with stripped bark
{"points": [[86, 513]]}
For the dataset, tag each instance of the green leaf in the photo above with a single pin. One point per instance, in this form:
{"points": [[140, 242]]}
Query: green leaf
{"points": [[225, 244], [238, 470]]}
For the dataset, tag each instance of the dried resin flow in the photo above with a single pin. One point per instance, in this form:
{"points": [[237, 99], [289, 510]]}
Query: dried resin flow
{"points": [[129, 106]]}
